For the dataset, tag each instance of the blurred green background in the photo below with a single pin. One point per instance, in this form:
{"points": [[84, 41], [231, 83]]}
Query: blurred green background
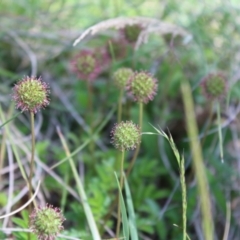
{"points": [[36, 38]]}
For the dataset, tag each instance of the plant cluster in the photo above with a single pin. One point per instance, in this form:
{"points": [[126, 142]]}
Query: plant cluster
{"points": [[142, 117]]}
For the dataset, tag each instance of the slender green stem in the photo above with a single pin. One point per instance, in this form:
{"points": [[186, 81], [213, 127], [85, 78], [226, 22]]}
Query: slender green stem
{"points": [[90, 115], [112, 53], [202, 184], [120, 106], [208, 125], [81, 192], [31, 164], [90, 101], [181, 164], [140, 115], [220, 131], [64, 190], [114, 203], [184, 198], [121, 187], [32, 154], [228, 220], [138, 147], [119, 117]]}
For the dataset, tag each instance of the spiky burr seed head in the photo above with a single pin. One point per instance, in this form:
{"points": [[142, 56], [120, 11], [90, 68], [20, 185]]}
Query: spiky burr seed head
{"points": [[121, 76], [125, 136], [46, 222], [31, 94], [87, 65], [214, 86], [142, 86]]}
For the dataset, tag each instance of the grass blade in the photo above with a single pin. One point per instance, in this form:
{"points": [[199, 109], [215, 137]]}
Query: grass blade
{"points": [[199, 167], [80, 188], [9, 120], [181, 164], [123, 212], [131, 213]]}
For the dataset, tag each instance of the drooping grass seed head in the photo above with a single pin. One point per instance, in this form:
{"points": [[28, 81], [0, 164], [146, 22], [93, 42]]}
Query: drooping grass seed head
{"points": [[131, 32], [46, 222], [31, 94], [142, 87], [125, 136], [121, 76], [214, 86], [86, 65]]}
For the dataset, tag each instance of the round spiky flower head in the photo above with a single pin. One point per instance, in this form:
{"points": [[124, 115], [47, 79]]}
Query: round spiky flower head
{"points": [[46, 222], [142, 86], [125, 136], [121, 76], [131, 32], [214, 86], [31, 94], [86, 65]]}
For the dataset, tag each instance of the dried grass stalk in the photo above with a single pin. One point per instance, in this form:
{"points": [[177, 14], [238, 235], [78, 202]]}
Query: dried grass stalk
{"points": [[150, 25]]}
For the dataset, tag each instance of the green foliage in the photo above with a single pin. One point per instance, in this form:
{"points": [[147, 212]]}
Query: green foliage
{"points": [[22, 223], [131, 212], [3, 199], [37, 37], [124, 217], [100, 188]]}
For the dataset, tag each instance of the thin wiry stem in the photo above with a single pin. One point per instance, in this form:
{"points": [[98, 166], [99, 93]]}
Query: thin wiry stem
{"points": [[138, 147], [90, 115], [31, 165], [228, 219], [181, 164], [131, 163], [121, 186], [205, 132], [184, 198], [120, 106], [220, 131], [32, 154], [119, 117]]}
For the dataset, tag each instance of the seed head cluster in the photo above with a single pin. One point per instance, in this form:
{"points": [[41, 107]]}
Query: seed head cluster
{"points": [[46, 222], [86, 65], [31, 94], [125, 136], [121, 76], [214, 86], [142, 86]]}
